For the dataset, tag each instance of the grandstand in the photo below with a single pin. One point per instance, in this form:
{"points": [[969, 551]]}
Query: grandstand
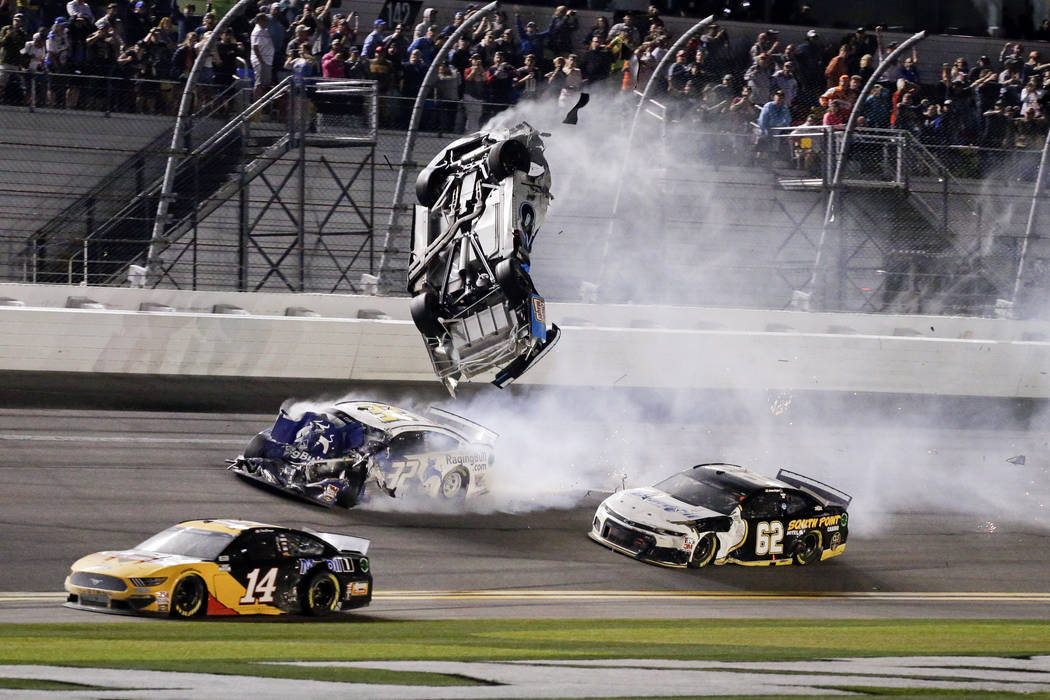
{"points": [[296, 192]]}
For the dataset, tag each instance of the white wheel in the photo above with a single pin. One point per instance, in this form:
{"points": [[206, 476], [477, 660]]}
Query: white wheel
{"points": [[452, 484]]}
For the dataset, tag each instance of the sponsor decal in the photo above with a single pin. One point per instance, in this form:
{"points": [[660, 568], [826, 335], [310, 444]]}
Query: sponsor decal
{"points": [[338, 565], [844, 520], [472, 457], [539, 310], [358, 588], [330, 492], [822, 521]]}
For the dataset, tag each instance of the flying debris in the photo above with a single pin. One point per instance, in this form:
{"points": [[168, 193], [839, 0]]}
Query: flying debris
{"points": [[573, 115]]}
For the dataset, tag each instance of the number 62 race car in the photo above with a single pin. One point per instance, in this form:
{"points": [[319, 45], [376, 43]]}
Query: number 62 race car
{"points": [[482, 201], [722, 513], [226, 567]]}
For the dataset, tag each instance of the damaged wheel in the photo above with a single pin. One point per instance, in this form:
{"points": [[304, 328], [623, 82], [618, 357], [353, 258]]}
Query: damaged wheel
{"points": [[425, 311], [704, 551], [507, 158]]}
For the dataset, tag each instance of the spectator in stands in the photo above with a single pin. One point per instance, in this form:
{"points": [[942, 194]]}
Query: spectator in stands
{"points": [[139, 21], [429, 19], [620, 49], [449, 29], [774, 115], [570, 89], [262, 54], [563, 26], [425, 45], [1010, 83], [186, 19], [475, 93], [599, 29], [508, 47], [760, 78], [447, 94], [459, 57], [743, 111], [183, 58], [333, 63], [837, 67], [678, 73], [996, 126], [81, 8], [877, 108], [1031, 96], [300, 37], [13, 39], [809, 56], [531, 40], [596, 64], [634, 37], [807, 145], [910, 68], [486, 48], [356, 66], [57, 63], [374, 40], [555, 79], [228, 50], [527, 79], [501, 77], [36, 85], [765, 43], [397, 43], [785, 81], [412, 73], [838, 113], [866, 68]]}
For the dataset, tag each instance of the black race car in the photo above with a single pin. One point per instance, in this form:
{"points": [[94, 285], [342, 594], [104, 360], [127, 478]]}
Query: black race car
{"points": [[482, 201], [722, 513]]}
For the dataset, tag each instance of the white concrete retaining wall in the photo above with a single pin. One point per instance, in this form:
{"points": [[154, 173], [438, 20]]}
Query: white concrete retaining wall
{"points": [[629, 346]]}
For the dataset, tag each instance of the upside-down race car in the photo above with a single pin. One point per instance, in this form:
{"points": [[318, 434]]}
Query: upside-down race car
{"points": [[226, 567], [721, 513], [482, 201], [341, 454]]}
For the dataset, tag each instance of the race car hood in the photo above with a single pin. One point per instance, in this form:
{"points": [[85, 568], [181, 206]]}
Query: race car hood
{"points": [[129, 562], [654, 507]]}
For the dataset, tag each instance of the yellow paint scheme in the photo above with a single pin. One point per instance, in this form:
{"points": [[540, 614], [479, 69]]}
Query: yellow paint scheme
{"points": [[128, 564]]}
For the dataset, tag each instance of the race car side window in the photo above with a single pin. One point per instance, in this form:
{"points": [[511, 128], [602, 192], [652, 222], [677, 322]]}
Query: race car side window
{"points": [[797, 504], [261, 546], [410, 442], [300, 545], [765, 505], [439, 442]]}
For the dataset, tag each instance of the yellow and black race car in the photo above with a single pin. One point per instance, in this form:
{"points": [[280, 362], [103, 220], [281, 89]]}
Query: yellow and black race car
{"points": [[226, 567]]}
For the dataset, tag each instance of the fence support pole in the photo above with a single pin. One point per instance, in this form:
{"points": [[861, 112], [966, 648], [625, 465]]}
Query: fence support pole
{"points": [[1036, 192], [829, 214]]}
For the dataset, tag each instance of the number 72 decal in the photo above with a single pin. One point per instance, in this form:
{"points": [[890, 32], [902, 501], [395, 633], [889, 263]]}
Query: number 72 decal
{"points": [[769, 538]]}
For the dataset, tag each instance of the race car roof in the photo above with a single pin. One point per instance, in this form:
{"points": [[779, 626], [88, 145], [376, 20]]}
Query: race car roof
{"points": [[736, 478], [381, 415], [230, 527]]}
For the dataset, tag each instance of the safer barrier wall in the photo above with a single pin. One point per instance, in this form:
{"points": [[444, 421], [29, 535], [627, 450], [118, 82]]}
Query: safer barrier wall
{"points": [[602, 346]]}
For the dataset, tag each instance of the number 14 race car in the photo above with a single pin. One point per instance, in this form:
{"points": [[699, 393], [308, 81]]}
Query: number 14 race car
{"points": [[342, 454], [226, 567], [722, 513]]}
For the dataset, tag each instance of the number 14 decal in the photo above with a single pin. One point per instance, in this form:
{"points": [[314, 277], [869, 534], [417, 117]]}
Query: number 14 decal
{"points": [[260, 590]]}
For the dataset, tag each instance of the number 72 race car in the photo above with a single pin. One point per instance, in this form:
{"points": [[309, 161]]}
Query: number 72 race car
{"points": [[342, 454], [482, 201], [722, 513], [226, 567]]}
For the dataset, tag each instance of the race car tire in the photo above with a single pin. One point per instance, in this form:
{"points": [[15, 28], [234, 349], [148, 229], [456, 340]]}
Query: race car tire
{"points": [[453, 484], [512, 278], [425, 309], [507, 158], [704, 551], [255, 447], [809, 550], [429, 184], [189, 597], [349, 496], [320, 593]]}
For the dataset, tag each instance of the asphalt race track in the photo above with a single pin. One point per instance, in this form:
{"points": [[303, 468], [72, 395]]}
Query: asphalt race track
{"points": [[77, 481]]}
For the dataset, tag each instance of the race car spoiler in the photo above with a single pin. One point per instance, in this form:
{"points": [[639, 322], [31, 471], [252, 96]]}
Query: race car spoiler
{"points": [[830, 494], [344, 543]]}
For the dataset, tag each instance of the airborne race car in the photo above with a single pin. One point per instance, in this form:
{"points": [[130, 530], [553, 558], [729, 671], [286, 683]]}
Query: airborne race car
{"points": [[721, 513], [342, 454], [226, 567], [482, 201]]}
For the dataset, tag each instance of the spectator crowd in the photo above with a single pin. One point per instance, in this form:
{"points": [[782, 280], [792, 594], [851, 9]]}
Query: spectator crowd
{"points": [[72, 55]]}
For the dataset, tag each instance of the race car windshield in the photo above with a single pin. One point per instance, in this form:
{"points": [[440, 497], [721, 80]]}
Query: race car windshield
{"points": [[188, 542], [692, 488]]}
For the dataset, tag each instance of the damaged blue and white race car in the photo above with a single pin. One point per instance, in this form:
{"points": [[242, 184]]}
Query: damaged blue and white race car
{"points": [[724, 513], [345, 453], [482, 201]]}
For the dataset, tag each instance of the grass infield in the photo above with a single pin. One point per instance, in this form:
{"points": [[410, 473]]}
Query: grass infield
{"points": [[226, 646]]}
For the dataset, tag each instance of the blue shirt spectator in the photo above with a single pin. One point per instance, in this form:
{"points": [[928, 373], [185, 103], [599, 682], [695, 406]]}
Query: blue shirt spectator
{"points": [[774, 114]]}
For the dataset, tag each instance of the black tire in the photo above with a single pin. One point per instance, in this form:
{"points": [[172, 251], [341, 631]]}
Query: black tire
{"points": [[809, 549], [507, 158], [321, 593], [453, 484], [512, 278], [425, 312], [704, 552], [429, 184], [349, 497], [189, 598], [255, 447]]}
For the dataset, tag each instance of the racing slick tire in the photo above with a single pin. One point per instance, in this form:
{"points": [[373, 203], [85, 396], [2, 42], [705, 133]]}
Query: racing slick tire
{"points": [[704, 551], [453, 484], [514, 280], [507, 158], [424, 308], [255, 447], [809, 549], [320, 594], [429, 184], [189, 597]]}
